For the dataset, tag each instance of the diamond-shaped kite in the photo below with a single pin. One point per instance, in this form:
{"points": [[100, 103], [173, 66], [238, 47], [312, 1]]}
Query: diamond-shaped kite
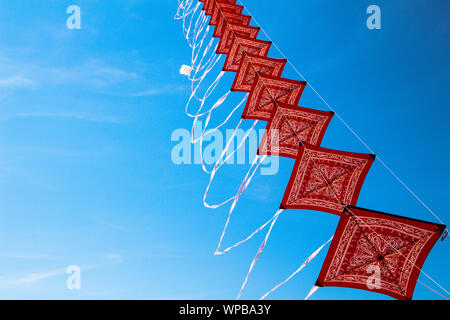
{"points": [[233, 30], [289, 125], [325, 179], [209, 5], [267, 91], [232, 18], [223, 7], [251, 65], [378, 252], [242, 46]]}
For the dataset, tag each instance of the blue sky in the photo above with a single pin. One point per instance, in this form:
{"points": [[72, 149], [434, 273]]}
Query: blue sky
{"points": [[86, 118]]}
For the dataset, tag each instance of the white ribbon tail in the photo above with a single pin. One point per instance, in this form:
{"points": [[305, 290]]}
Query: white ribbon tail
{"points": [[260, 250], [307, 261], [241, 190], [313, 290], [221, 161]]}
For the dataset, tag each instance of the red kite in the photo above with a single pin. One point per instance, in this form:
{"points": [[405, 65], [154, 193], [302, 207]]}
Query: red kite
{"points": [[251, 65], [230, 17], [289, 125], [378, 252], [208, 5], [325, 179], [233, 30], [242, 46], [223, 7], [267, 91]]}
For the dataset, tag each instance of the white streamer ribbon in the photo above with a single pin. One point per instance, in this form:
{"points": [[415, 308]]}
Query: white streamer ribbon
{"points": [[260, 250], [307, 261], [313, 290]]}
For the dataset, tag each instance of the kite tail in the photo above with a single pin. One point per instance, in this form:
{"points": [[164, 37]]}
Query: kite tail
{"points": [[208, 92], [243, 241], [260, 250], [227, 118], [217, 104], [313, 290], [206, 132], [184, 9], [218, 164], [307, 261]]}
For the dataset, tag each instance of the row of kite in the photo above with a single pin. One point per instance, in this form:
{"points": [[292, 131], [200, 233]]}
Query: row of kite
{"points": [[370, 250]]}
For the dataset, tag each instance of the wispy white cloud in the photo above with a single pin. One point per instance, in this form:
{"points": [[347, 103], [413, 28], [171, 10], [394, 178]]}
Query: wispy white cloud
{"points": [[110, 224], [17, 81], [12, 281], [93, 72], [160, 90], [108, 76], [24, 256], [29, 279], [114, 257], [69, 115]]}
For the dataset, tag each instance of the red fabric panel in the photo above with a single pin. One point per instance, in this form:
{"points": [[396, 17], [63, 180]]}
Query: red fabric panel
{"points": [[229, 33], [318, 172], [290, 125], [240, 47], [266, 90], [232, 18], [366, 240], [209, 5], [223, 7], [251, 65]]}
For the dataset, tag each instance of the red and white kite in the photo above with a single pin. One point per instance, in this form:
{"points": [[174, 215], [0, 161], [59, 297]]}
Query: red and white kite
{"points": [[267, 91], [251, 65], [378, 252], [230, 18], [240, 47], [210, 4], [325, 179], [289, 125], [223, 7], [233, 30]]}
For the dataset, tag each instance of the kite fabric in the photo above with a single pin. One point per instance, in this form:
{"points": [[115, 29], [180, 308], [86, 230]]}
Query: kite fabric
{"points": [[267, 92], [378, 252], [210, 4], [230, 17], [252, 65], [370, 250], [226, 7], [325, 179], [232, 31], [292, 125], [240, 47]]}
